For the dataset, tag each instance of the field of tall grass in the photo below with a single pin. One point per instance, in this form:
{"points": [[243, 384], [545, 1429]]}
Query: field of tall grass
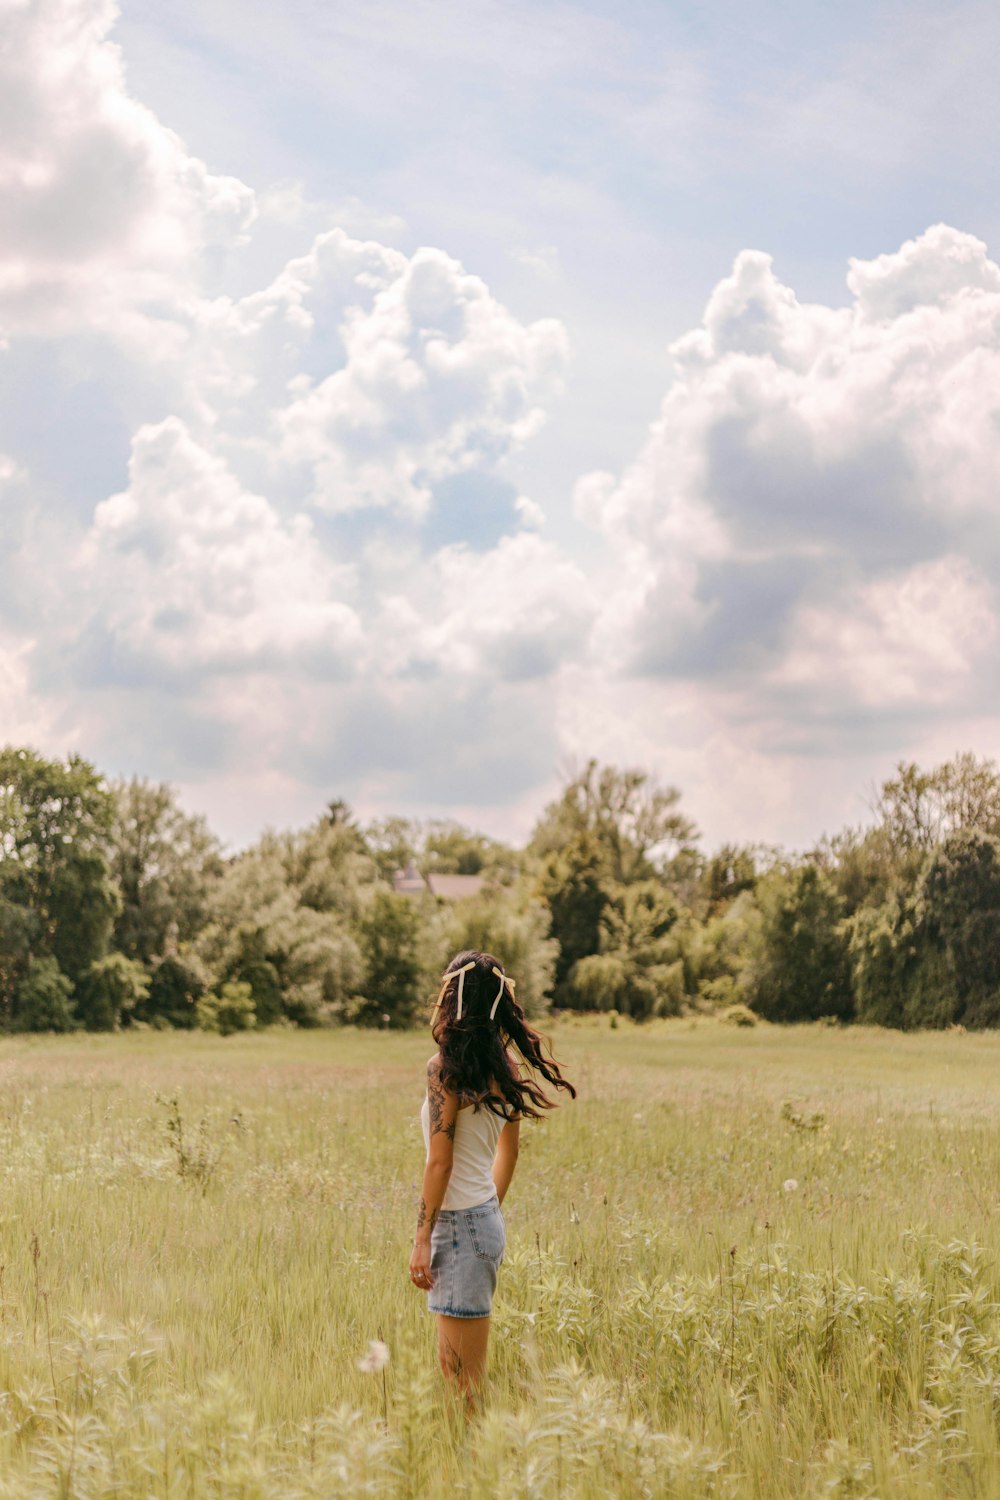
{"points": [[747, 1262]]}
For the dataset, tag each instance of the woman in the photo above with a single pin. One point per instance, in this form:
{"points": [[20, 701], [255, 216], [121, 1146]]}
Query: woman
{"points": [[476, 1099]]}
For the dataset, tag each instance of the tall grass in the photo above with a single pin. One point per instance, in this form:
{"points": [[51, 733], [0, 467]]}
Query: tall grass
{"points": [[744, 1263]]}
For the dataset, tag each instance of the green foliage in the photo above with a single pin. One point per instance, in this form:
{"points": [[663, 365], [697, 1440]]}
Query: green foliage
{"points": [[500, 920], [175, 987], [738, 1015], [164, 863], [730, 871], [112, 990], [229, 1010], [638, 971], [933, 959], [43, 998], [82, 905], [920, 809], [288, 908], [573, 884], [635, 823], [800, 968], [389, 931], [440, 846], [56, 898], [611, 907], [717, 952]]}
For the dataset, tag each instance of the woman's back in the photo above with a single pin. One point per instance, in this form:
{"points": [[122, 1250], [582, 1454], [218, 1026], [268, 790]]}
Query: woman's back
{"points": [[475, 1146]]}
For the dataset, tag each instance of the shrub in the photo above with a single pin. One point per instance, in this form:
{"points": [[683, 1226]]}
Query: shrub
{"points": [[43, 998], [230, 1010], [110, 992], [738, 1015], [175, 987]]}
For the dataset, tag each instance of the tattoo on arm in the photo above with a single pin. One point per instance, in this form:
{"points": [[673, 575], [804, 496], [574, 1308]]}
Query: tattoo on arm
{"points": [[423, 1218], [436, 1101]]}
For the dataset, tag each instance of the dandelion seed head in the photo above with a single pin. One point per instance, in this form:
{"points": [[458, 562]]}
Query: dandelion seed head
{"points": [[790, 1184], [376, 1359]]}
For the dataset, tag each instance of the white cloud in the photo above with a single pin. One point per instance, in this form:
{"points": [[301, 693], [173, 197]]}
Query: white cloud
{"points": [[810, 528], [912, 640], [187, 573], [103, 210], [516, 613], [438, 379]]}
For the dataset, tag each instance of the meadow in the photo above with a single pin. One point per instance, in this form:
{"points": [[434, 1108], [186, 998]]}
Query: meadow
{"points": [[746, 1262]]}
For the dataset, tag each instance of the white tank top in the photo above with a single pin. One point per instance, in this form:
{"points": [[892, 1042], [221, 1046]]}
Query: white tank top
{"points": [[476, 1135]]}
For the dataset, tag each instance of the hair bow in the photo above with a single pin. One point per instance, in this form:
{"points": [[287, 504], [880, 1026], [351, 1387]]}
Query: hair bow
{"points": [[446, 980], [505, 982]]}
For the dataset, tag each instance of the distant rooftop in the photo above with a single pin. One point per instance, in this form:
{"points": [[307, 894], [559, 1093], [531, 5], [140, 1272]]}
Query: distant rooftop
{"points": [[410, 882]]}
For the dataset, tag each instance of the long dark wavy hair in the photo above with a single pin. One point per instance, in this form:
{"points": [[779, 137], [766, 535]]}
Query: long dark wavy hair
{"points": [[475, 1056]]}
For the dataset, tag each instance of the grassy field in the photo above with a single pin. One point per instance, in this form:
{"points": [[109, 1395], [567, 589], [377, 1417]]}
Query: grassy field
{"points": [[751, 1262]]}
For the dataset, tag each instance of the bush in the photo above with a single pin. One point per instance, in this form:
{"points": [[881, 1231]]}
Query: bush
{"points": [[110, 992], [43, 998], [738, 1015], [720, 992], [175, 987], [230, 1010]]}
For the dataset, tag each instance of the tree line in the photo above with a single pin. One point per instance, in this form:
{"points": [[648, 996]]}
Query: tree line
{"points": [[119, 909]]}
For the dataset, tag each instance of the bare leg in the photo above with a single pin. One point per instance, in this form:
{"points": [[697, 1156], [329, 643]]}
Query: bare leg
{"points": [[462, 1351]]}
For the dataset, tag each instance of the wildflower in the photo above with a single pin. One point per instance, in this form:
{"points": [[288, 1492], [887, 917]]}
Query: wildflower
{"points": [[376, 1359], [790, 1184]]}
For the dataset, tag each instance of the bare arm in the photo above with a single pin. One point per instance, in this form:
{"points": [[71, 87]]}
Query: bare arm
{"points": [[506, 1158], [443, 1107]]}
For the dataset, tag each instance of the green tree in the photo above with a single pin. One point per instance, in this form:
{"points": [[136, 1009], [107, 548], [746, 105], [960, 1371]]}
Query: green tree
{"points": [[638, 970], [932, 957], [56, 896], [164, 863], [392, 843], [389, 931], [800, 969], [634, 820], [920, 809], [727, 874], [573, 882], [288, 908], [43, 998], [111, 991], [958, 907], [888, 949], [229, 1011], [175, 987]]}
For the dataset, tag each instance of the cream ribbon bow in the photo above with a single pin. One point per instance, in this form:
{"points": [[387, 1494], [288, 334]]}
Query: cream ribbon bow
{"points": [[505, 983], [446, 980]]}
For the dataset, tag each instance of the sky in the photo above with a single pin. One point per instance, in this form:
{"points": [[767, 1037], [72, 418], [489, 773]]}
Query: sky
{"points": [[406, 402]]}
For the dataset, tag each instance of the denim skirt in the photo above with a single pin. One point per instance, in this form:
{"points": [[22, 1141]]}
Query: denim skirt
{"points": [[467, 1246]]}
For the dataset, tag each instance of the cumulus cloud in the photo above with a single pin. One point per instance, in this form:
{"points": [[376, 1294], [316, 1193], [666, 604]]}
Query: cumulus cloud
{"points": [[187, 573], [810, 530], [515, 613], [103, 210], [438, 379]]}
